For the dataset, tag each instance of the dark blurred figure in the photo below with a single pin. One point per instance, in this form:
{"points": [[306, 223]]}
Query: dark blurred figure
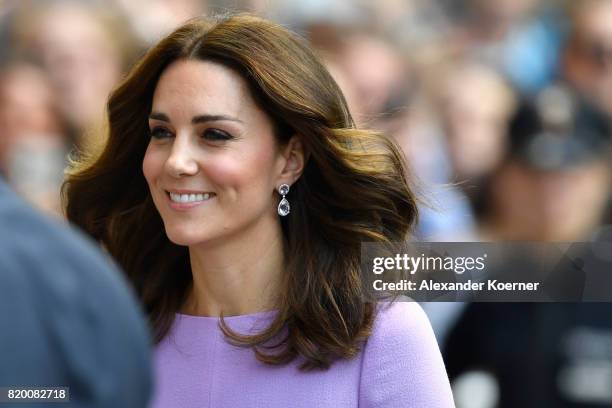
{"points": [[532, 355], [553, 186], [556, 182], [67, 318]]}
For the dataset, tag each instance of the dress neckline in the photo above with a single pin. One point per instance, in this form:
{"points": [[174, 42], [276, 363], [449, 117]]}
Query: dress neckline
{"points": [[248, 316]]}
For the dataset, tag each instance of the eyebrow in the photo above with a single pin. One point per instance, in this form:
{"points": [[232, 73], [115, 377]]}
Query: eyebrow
{"points": [[196, 119]]}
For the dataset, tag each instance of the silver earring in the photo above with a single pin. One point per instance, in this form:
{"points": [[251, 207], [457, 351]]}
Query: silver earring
{"points": [[283, 206]]}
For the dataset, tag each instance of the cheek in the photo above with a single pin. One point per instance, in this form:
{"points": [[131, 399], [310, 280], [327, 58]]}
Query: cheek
{"points": [[246, 176], [152, 164]]}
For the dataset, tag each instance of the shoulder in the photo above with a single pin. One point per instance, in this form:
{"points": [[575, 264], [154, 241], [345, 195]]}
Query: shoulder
{"points": [[402, 364], [400, 320], [402, 330], [33, 241]]}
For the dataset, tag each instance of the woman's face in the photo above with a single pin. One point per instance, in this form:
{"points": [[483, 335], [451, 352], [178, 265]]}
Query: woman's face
{"points": [[213, 162]]}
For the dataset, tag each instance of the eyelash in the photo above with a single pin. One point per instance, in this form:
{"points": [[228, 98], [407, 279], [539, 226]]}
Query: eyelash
{"points": [[155, 132], [213, 134], [219, 135]]}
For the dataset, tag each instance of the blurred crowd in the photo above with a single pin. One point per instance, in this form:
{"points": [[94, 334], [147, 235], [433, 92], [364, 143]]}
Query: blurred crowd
{"points": [[502, 107]]}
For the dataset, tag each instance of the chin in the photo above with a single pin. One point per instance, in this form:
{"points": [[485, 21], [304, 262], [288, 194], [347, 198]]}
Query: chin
{"points": [[184, 238]]}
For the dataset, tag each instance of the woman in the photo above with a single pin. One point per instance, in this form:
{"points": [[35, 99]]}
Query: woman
{"points": [[234, 184]]}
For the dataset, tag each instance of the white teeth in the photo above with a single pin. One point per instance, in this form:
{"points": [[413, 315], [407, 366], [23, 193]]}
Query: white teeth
{"points": [[189, 198]]}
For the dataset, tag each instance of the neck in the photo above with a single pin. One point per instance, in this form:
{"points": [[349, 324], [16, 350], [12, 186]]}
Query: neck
{"points": [[239, 275]]}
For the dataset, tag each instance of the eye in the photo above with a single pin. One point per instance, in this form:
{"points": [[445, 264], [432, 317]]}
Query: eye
{"points": [[159, 132], [216, 135]]}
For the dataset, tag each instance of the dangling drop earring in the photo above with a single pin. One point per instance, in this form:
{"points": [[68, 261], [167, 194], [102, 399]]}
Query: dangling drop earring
{"points": [[283, 206]]}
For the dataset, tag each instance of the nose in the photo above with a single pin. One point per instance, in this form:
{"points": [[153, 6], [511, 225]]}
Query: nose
{"points": [[181, 162]]}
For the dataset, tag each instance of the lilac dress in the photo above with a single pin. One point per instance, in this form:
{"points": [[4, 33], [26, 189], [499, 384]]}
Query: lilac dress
{"points": [[400, 366]]}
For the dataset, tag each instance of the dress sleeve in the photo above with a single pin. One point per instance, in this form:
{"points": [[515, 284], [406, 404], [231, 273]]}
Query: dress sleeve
{"points": [[402, 365]]}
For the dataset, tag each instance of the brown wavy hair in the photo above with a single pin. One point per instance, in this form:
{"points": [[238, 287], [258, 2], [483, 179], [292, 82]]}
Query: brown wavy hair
{"points": [[353, 188]]}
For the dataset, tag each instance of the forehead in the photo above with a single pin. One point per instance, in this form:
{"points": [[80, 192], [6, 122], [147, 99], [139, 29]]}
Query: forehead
{"points": [[202, 85]]}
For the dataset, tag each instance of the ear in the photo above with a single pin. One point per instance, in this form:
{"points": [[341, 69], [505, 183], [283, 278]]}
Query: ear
{"points": [[293, 163]]}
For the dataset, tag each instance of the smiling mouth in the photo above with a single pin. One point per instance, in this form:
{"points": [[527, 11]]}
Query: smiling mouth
{"points": [[189, 198]]}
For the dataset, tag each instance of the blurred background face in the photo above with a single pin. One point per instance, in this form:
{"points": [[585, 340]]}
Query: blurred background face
{"points": [[33, 138], [369, 71], [153, 19], [588, 59], [26, 107], [81, 58], [475, 107], [501, 12], [213, 161], [562, 205]]}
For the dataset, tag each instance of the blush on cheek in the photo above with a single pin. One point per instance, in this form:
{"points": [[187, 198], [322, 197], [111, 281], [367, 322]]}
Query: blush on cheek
{"points": [[229, 173], [243, 180]]}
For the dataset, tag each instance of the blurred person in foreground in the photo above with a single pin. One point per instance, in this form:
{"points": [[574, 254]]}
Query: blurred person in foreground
{"points": [[235, 190], [553, 186], [67, 317]]}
